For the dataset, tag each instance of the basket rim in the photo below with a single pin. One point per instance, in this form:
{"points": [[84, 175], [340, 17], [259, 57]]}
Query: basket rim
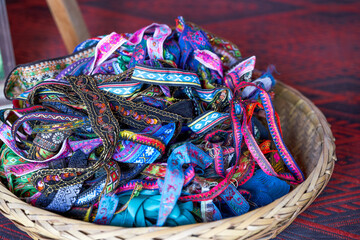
{"points": [[10, 204]]}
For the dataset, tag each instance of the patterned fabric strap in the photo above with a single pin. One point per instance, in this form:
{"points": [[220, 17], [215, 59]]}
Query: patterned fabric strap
{"points": [[138, 116], [105, 48], [123, 89], [107, 207], [91, 194], [296, 176], [17, 172], [148, 149], [230, 52], [189, 174], [66, 196], [25, 76], [143, 147], [163, 76], [235, 200], [155, 44], [174, 178], [208, 95], [210, 60], [103, 124], [276, 136], [109, 44], [207, 121], [223, 184], [44, 117], [181, 155], [7, 137], [234, 76]]}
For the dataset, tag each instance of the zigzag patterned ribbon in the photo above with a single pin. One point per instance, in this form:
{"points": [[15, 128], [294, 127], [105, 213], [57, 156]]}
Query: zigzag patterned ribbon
{"points": [[123, 89], [296, 176]]}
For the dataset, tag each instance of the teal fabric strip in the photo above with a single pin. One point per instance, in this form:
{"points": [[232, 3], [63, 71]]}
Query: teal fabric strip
{"points": [[142, 211]]}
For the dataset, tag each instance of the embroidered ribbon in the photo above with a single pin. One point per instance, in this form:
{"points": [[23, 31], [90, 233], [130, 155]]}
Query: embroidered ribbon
{"points": [[106, 47], [233, 78], [235, 200], [207, 121], [174, 178], [165, 76], [106, 209], [103, 124], [209, 59], [17, 172], [296, 176], [155, 43]]}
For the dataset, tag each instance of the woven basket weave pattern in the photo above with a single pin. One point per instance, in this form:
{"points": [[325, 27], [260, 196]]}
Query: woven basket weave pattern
{"points": [[306, 134]]}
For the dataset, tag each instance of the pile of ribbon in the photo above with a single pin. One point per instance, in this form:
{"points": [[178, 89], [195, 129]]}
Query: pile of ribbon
{"points": [[161, 127]]}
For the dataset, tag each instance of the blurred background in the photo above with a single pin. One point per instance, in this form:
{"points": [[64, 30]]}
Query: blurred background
{"points": [[314, 45]]}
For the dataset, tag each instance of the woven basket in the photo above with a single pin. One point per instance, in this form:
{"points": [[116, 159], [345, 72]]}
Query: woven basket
{"points": [[307, 135]]}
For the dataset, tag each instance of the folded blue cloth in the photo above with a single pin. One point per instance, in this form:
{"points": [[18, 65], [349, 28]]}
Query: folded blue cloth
{"points": [[264, 188]]}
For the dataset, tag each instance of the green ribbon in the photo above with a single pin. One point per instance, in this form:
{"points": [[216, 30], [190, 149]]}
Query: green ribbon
{"points": [[19, 185]]}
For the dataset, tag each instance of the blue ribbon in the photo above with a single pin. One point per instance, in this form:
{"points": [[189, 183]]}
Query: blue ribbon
{"points": [[174, 178]]}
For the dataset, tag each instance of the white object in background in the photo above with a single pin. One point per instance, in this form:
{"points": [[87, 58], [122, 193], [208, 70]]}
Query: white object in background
{"points": [[6, 50]]}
